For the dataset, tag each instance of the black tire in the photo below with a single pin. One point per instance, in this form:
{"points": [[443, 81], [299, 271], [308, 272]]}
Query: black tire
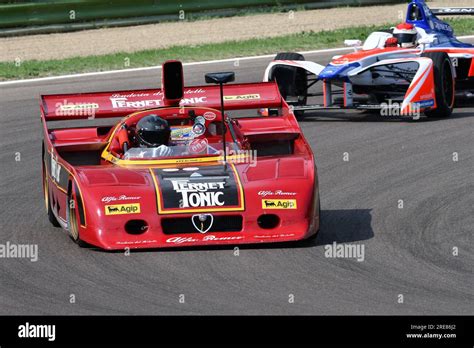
{"points": [[47, 199], [444, 85], [52, 219], [72, 221], [292, 82]]}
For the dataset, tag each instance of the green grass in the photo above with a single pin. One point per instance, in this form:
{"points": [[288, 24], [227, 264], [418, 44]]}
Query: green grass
{"points": [[293, 42]]}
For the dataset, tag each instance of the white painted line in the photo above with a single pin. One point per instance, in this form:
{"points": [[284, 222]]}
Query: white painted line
{"points": [[157, 67]]}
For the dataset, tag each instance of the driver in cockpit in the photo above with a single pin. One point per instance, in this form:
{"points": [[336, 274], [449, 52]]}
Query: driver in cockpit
{"points": [[152, 137], [406, 35]]}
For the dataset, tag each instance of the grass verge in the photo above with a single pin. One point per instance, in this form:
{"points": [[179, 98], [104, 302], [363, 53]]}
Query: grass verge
{"points": [[294, 42]]}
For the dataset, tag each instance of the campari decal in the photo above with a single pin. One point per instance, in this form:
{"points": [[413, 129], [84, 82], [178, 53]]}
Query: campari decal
{"points": [[198, 189]]}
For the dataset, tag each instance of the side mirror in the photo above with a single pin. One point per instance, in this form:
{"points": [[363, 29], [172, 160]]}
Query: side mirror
{"points": [[220, 77], [352, 43], [426, 40]]}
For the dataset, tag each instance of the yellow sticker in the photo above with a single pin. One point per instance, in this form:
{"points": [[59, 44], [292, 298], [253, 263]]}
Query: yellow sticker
{"points": [[279, 203], [68, 107], [242, 97], [118, 209]]}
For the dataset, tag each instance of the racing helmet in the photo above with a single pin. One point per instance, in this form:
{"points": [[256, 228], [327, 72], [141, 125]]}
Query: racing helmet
{"points": [[406, 35], [152, 131]]}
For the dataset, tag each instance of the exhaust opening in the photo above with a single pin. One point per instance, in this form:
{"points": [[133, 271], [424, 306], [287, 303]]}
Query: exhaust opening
{"points": [[268, 221], [136, 227]]}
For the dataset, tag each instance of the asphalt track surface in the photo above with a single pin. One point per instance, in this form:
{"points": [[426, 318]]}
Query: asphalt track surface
{"points": [[408, 251]]}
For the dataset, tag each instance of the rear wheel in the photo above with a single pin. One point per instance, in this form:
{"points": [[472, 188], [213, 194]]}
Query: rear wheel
{"points": [[292, 81], [444, 85], [47, 201], [72, 220], [46, 196]]}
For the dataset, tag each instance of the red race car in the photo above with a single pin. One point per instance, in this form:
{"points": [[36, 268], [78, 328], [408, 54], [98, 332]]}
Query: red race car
{"points": [[175, 170]]}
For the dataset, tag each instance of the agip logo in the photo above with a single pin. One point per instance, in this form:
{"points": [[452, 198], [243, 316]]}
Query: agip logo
{"points": [[120, 209], [279, 203]]}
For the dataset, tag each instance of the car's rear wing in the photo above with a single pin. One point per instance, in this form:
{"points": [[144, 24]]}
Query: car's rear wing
{"points": [[453, 11], [121, 103]]}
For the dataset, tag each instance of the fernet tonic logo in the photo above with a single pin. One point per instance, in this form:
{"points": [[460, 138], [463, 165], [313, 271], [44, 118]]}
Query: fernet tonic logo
{"points": [[205, 194]]}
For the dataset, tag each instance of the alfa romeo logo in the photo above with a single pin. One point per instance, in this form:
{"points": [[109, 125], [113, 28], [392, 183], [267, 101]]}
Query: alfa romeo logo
{"points": [[200, 221]]}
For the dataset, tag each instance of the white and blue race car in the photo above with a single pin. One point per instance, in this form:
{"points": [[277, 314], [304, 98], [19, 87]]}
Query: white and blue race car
{"points": [[427, 76]]}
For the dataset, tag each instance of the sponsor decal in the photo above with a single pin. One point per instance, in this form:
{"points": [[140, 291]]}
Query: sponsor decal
{"points": [[198, 146], [120, 209], [55, 169], [279, 203], [145, 100], [442, 26], [109, 199], [73, 106], [268, 236], [135, 242], [242, 97], [210, 116], [181, 240], [424, 103], [468, 10], [207, 189], [276, 193], [199, 221], [58, 174], [203, 194], [193, 101], [182, 133], [123, 102]]}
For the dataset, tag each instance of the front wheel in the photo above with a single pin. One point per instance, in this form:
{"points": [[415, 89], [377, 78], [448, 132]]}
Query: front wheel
{"points": [[444, 85]]}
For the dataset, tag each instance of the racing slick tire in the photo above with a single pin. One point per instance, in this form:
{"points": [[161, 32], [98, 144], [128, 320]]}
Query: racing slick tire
{"points": [[444, 85], [292, 82], [71, 214], [52, 219]]}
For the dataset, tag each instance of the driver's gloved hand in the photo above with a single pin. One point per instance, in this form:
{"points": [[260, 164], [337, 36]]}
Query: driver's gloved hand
{"points": [[163, 151]]}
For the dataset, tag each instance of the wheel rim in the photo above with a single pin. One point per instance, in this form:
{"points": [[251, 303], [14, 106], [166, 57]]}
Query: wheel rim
{"points": [[448, 85], [46, 192], [73, 230]]}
